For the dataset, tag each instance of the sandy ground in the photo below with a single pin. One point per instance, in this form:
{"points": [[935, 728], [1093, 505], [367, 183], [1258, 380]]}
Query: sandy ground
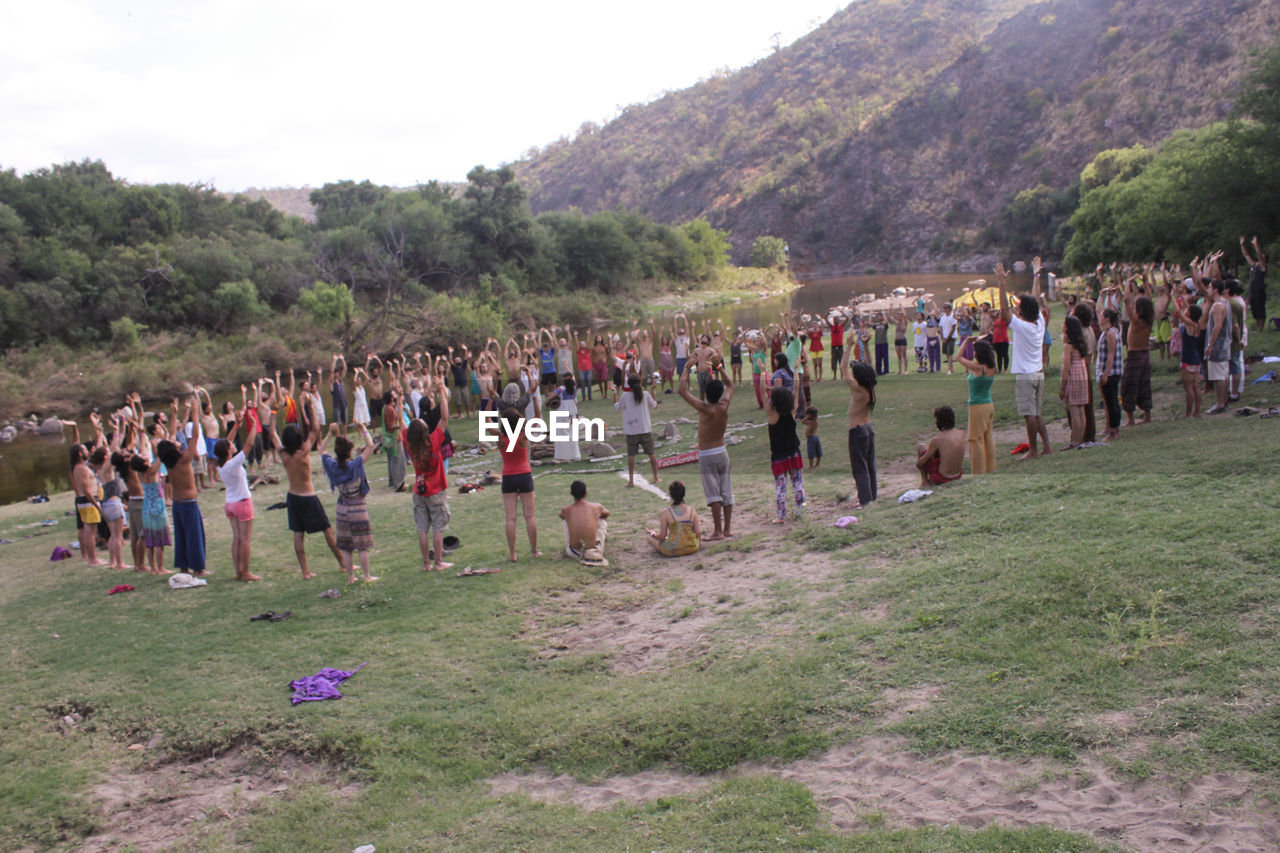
{"points": [[154, 808], [669, 612], [878, 776]]}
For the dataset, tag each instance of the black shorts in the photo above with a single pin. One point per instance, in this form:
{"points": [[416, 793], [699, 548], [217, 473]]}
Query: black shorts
{"points": [[306, 513], [517, 484], [549, 378]]}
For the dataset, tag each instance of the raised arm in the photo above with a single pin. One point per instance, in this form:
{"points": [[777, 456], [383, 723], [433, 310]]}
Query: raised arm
{"points": [[844, 369], [1002, 283], [683, 390]]}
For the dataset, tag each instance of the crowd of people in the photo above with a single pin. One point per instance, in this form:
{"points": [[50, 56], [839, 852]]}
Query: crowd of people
{"points": [[146, 470]]}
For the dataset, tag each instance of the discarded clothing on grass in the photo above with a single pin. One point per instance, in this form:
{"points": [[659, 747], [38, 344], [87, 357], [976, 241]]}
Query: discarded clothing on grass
{"points": [[120, 587], [1266, 377], [845, 521], [322, 685], [59, 553], [182, 580], [912, 495]]}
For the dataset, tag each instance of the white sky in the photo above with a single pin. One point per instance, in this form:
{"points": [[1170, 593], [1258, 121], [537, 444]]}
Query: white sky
{"points": [[263, 93]]}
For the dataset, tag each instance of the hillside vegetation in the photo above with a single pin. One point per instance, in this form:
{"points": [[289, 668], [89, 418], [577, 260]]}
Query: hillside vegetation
{"points": [[915, 131]]}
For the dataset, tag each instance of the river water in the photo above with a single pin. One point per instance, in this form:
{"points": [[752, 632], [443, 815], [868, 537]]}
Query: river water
{"points": [[31, 464]]}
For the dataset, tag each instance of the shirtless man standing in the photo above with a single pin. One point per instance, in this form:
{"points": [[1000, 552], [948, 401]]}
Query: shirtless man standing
{"points": [[941, 460], [861, 379], [704, 357], [713, 456], [188, 526], [212, 429], [644, 344], [373, 389], [306, 513], [585, 527], [87, 505]]}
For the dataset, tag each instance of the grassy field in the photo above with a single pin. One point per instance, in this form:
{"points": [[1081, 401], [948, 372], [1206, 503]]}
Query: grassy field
{"points": [[1108, 611]]}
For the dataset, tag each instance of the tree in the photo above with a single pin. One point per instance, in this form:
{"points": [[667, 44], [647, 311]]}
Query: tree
{"points": [[768, 252], [710, 247], [331, 306]]}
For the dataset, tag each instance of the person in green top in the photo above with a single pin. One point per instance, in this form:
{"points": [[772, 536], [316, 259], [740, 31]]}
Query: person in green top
{"points": [[980, 371], [758, 356]]}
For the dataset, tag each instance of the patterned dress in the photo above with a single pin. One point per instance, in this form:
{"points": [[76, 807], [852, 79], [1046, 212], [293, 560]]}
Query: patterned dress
{"points": [[155, 519], [351, 525]]}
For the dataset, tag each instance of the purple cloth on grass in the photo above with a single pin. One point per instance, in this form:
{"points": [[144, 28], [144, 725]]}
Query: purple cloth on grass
{"points": [[322, 685]]}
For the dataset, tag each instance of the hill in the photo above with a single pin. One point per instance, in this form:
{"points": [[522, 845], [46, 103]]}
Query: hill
{"points": [[903, 131]]}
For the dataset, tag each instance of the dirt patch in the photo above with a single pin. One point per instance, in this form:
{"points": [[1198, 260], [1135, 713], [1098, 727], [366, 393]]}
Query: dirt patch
{"points": [[666, 611], [878, 776], [640, 788], [905, 702], [155, 808]]}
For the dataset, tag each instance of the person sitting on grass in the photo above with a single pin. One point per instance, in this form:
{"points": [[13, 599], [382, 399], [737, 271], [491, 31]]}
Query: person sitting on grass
{"points": [[941, 461], [585, 527], [679, 529]]}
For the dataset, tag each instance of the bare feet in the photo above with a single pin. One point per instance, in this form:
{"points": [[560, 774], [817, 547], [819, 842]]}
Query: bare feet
{"points": [[536, 554], [371, 578], [511, 557], [351, 579], [714, 537], [306, 576], [440, 567], [250, 576], [631, 485]]}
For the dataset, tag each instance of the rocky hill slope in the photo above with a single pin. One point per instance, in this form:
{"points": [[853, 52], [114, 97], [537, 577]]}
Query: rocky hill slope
{"points": [[902, 131]]}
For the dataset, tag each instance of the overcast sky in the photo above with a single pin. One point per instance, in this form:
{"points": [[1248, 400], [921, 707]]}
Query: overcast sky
{"points": [[259, 93]]}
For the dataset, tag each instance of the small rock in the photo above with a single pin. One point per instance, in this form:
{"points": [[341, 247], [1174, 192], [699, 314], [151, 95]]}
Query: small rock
{"points": [[134, 746], [365, 848]]}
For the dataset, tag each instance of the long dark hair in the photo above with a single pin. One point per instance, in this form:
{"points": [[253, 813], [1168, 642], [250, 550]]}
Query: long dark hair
{"points": [[636, 391], [1074, 333], [865, 375], [984, 353], [421, 452]]}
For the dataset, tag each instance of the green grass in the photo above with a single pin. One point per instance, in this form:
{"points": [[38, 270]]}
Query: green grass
{"points": [[1139, 578]]}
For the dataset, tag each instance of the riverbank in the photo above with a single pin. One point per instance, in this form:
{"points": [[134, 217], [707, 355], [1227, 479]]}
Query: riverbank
{"points": [[57, 380]]}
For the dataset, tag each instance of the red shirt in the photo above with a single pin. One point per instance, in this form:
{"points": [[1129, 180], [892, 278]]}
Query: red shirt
{"points": [[837, 335], [815, 341], [516, 461], [584, 358], [1000, 330], [433, 477]]}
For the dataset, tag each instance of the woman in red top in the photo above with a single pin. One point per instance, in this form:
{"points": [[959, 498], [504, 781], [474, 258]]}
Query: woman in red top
{"points": [[423, 440], [815, 349], [517, 483], [1000, 341]]}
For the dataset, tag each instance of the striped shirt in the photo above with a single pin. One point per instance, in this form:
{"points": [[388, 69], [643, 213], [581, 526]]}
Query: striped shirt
{"points": [[1110, 359]]}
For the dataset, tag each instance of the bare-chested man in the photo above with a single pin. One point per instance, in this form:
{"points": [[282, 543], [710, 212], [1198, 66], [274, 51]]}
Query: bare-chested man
{"points": [[306, 513], [704, 358], [644, 345], [585, 527], [212, 430], [713, 456], [188, 526], [941, 459], [88, 508], [372, 387], [861, 379]]}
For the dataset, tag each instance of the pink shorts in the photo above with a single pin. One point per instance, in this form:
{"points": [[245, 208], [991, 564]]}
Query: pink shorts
{"points": [[240, 510]]}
